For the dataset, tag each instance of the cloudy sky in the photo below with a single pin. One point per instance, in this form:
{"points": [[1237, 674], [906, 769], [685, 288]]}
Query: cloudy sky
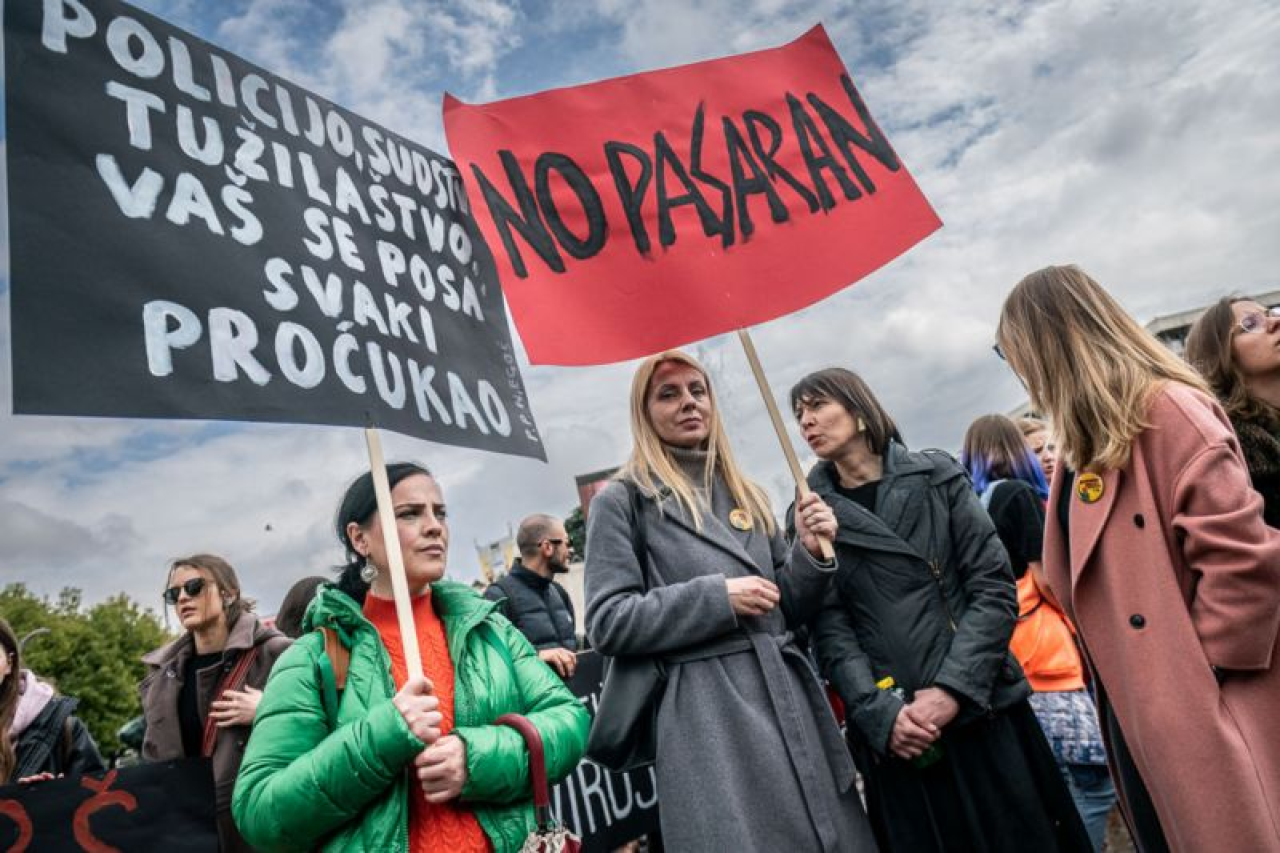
{"points": [[1138, 139]]}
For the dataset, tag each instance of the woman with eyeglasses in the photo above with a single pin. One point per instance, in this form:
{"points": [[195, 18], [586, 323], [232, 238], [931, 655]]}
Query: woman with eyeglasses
{"points": [[352, 751], [1157, 549], [915, 639], [1235, 345], [202, 692]]}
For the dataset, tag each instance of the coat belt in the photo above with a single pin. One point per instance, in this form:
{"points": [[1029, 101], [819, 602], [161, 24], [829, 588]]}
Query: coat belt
{"points": [[803, 748]]}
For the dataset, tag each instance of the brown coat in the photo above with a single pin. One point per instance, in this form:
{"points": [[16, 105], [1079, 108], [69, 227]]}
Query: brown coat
{"points": [[160, 689], [1170, 575]]}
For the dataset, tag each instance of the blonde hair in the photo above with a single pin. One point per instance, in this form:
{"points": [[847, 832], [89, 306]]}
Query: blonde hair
{"points": [[1029, 426], [652, 468], [1086, 363]]}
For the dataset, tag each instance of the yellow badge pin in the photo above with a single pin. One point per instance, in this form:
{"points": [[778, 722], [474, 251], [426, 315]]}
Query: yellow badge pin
{"points": [[1089, 488], [740, 518]]}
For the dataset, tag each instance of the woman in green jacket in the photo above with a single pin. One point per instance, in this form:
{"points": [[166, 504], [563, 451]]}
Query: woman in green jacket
{"points": [[422, 769]]}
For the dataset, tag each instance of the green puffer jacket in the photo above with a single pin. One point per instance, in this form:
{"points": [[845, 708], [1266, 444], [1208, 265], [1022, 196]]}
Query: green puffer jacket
{"points": [[305, 783]]}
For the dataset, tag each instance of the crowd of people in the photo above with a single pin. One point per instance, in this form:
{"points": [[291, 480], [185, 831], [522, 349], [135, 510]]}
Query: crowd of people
{"points": [[1082, 610]]}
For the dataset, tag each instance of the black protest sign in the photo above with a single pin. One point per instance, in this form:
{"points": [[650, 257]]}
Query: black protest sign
{"points": [[603, 808], [193, 237], [163, 806]]}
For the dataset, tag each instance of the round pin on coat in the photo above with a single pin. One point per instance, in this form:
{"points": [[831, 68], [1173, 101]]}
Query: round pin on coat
{"points": [[1089, 488], [740, 518]]}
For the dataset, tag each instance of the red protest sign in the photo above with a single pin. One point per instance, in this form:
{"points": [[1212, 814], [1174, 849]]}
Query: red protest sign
{"points": [[644, 212]]}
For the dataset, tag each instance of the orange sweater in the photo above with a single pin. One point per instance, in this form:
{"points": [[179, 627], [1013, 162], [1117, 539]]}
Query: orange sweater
{"points": [[433, 827]]}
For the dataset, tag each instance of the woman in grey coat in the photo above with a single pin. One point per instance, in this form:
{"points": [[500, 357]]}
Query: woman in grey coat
{"points": [[748, 755]]}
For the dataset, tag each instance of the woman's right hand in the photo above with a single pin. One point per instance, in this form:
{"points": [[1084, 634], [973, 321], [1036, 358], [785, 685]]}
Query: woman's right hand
{"points": [[910, 738], [420, 709], [752, 596]]}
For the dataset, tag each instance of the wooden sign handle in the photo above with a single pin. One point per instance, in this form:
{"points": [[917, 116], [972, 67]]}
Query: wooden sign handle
{"points": [[391, 538], [802, 485]]}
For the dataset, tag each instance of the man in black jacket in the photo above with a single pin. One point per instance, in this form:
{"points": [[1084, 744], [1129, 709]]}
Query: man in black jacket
{"points": [[531, 598]]}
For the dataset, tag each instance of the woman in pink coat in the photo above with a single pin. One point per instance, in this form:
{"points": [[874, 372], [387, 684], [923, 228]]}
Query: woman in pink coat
{"points": [[1156, 546]]}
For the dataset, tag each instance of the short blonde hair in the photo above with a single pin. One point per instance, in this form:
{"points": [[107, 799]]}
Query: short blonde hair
{"points": [[1086, 363], [651, 466]]}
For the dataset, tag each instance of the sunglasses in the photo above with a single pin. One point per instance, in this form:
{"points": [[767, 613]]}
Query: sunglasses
{"points": [[1256, 321], [996, 349], [192, 588], [557, 542]]}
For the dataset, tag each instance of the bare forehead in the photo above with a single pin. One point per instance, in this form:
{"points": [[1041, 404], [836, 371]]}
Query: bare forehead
{"points": [[185, 572], [675, 373], [417, 489], [1246, 306]]}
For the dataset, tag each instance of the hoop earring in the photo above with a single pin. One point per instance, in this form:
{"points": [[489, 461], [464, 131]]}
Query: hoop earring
{"points": [[368, 572]]}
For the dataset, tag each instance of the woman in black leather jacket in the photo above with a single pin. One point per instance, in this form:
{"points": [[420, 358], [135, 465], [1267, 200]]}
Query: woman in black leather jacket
{"points": [[915, 639]]}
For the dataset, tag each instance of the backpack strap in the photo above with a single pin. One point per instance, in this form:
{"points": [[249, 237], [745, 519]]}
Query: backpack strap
{"points": [[988, 492], [233, 680], [333, 666], [339, 657], [67, 742]]}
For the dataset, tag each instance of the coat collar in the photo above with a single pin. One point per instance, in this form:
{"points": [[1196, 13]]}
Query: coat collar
{"points": [[858, 527], [714, 530], [244, 634], [1087, 520], [458, 605]]}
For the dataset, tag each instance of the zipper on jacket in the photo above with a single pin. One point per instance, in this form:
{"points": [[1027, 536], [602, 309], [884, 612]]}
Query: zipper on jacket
{"points": [[936, 571]]}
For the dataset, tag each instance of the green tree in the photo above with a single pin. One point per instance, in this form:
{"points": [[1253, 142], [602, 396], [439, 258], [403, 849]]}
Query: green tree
{"points": [[576, 527], [93, 654]]}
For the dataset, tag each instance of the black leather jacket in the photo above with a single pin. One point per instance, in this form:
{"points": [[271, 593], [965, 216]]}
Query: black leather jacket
{"points": [[924, 594]]}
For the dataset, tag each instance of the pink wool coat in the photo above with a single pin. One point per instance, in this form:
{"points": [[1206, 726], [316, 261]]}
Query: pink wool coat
{"points": [[1170, 575]]}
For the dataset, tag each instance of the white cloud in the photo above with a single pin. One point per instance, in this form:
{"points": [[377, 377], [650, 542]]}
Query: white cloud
{"points": [[1136, 139]]}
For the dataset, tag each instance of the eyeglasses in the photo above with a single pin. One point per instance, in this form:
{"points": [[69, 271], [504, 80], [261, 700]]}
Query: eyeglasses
{"points": [[192, 588], [996, 349], [1256, 321]]}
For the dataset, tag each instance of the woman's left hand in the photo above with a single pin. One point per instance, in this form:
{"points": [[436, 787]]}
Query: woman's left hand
{"points": [[236, 707], [934, 705], [442, 769], [814, 521]]}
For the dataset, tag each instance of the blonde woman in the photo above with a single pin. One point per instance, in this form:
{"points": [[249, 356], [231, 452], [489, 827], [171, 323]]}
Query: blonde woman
{"points": [[1156, 547], [1035, 433], [748, 755]]}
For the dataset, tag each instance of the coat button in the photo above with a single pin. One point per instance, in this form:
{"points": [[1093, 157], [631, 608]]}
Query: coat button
{"points": [[1139, 521], [1138, 621]]}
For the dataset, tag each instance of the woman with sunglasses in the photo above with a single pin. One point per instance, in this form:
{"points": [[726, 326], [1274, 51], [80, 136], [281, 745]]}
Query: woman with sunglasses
{"points": [[1156, 548], [1235, 345], [351, 751], [202, 692]]}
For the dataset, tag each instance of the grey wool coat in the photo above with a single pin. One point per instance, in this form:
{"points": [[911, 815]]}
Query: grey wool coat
{"points": [[749, 757]]}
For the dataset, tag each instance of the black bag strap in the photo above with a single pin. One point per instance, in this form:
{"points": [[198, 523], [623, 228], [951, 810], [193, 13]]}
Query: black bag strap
{"points": [[639, 530]]}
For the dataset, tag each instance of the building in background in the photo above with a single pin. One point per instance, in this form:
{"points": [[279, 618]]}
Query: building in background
{"points": [[589, 485]]}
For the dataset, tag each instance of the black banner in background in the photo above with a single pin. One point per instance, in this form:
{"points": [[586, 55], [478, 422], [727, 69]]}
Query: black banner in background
{"points": [[194, 237], [162, 806], [605, 809]]}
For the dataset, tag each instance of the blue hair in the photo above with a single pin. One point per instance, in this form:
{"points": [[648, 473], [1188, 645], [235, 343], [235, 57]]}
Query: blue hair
{"points": [[1026, 467]]}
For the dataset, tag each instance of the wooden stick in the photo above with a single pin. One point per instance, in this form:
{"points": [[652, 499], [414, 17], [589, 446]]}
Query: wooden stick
{"points": [[391, 538], [802, 485]]}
